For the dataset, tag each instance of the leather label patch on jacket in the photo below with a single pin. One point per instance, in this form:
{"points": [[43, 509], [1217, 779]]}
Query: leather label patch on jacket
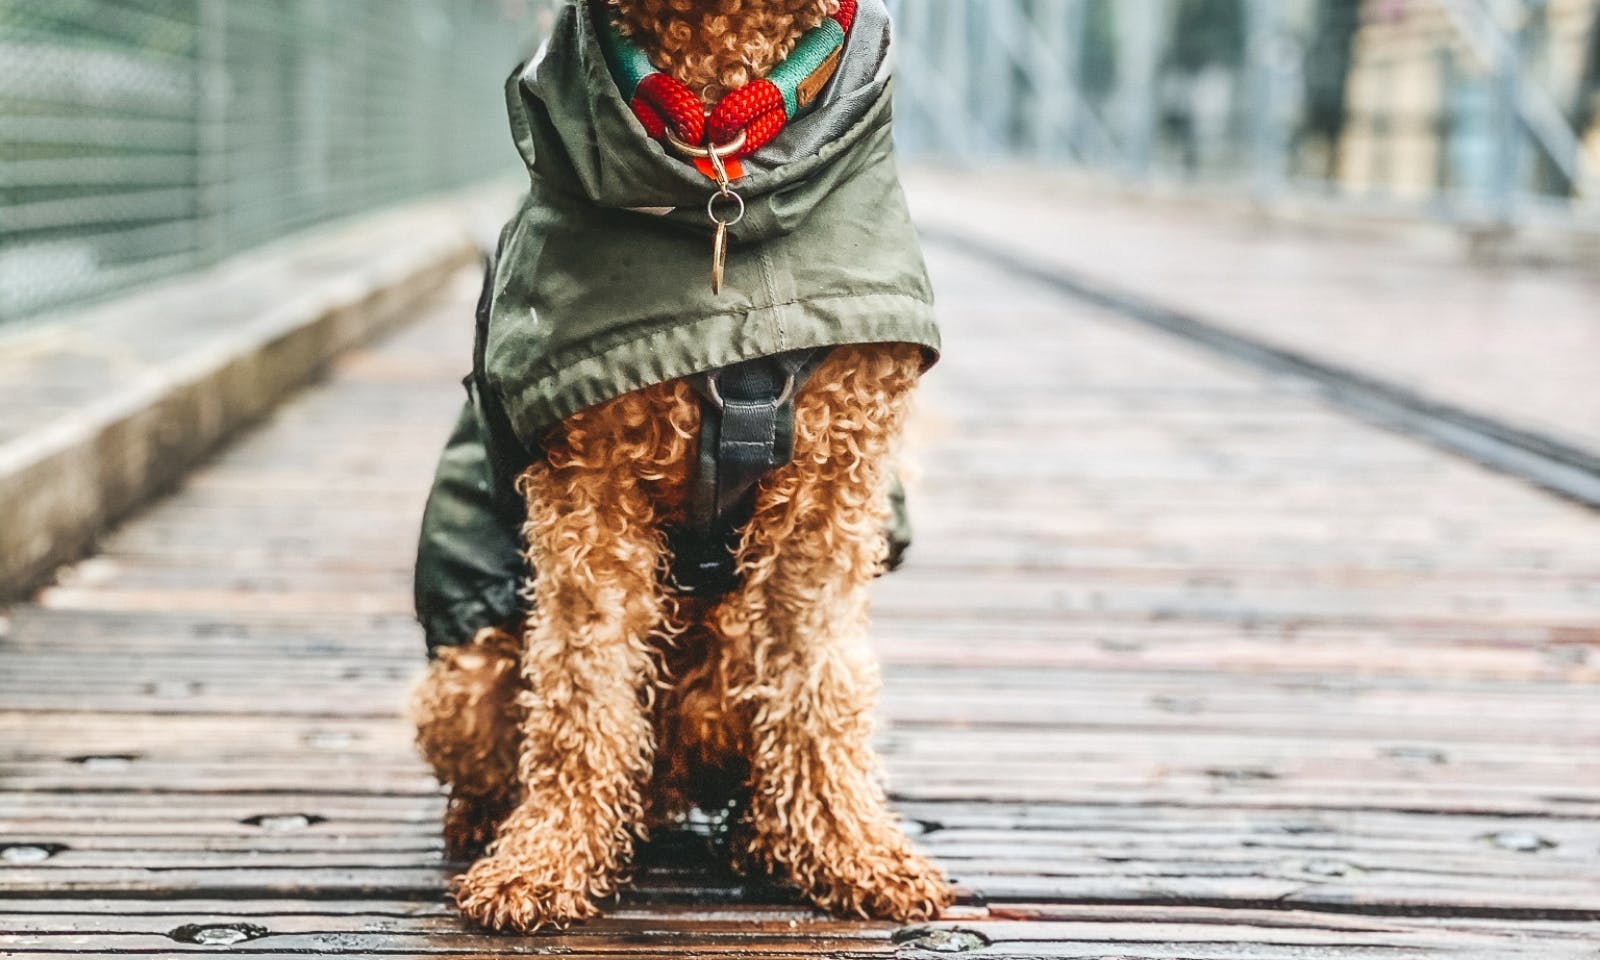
{"points": [[811, 86]]}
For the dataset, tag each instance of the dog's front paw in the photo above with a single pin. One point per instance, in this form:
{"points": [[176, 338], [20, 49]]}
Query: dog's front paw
{"points": [[513, 897], [894, 886]]}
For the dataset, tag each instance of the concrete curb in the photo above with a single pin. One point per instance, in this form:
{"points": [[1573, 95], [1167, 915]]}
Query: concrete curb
{"points": [[65, 481]]}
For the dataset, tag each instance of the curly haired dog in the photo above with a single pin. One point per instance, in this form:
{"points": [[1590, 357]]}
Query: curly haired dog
{"points": [[623, 704]]}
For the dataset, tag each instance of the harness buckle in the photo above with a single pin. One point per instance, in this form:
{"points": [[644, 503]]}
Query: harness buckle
{"points": [[746, 432]]}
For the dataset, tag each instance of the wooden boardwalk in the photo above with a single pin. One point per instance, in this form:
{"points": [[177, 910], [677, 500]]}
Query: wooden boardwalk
{"points": [[1185, 665]]}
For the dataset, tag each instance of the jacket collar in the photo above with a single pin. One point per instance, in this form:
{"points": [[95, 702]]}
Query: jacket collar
{"points": [[607, 158]]}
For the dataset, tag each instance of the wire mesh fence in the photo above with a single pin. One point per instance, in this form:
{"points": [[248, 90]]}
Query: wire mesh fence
{"points": [[1484, 111], [139, 138]]}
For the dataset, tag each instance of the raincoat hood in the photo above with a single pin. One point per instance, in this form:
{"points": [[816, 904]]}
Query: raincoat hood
{"points": [[607, 159], [603, 282]]}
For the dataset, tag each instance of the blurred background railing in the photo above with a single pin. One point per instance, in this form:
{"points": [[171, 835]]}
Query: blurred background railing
{"points": [[1481, 111], [141, 138]]}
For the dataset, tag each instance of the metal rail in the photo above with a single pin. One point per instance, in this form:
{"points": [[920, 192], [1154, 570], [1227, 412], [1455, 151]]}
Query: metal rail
{"points": [[1540, 459], [139, 140], [1274, 98]]}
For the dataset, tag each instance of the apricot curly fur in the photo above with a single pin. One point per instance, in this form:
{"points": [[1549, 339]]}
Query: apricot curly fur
{"points": [[619, 704], [715, 46], [636, 704], [468, 724], [590, 665], [701, 743], [797, 659]]}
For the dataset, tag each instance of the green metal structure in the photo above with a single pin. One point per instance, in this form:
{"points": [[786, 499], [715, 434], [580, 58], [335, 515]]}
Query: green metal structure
{"points": [[1274, 99], [142, 138]]}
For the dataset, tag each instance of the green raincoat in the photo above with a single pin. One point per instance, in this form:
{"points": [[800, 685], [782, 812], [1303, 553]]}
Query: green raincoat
{"points": [[602, 285]]}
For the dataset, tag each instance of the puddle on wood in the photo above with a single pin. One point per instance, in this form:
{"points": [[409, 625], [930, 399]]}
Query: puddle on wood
{"points": [[1297, 828], [27, 854], [218, 934], [1242, 775], [940, 939], [1418, 755], [174, 689], [105, 762], [1519, 841], [283, 822], [1568, 656], [1119, 645], [330, 739], [1181, 705], [364, 673], [1327, 868]]}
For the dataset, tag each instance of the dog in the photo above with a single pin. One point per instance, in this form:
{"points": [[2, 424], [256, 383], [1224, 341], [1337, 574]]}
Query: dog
{"points": [[618, 701]]}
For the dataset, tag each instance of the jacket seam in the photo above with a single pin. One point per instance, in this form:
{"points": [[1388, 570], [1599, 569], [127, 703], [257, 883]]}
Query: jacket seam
{"points": [[554, 364]]}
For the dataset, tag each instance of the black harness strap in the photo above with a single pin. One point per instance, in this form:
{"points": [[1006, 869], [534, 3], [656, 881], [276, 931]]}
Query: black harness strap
{"points": [[746, 432]]}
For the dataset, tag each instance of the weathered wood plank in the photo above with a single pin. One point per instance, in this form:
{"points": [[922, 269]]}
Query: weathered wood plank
{"points": [[1170, 934], [1184, 666]]}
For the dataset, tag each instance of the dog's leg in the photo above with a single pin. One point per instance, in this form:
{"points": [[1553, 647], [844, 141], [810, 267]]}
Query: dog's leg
{"points": [[468, 729], [588, 663], [817, 813], [587, 744]]}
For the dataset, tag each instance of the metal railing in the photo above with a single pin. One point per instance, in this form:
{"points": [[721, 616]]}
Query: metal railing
{"points": [[140, 138], [1485, 112]]}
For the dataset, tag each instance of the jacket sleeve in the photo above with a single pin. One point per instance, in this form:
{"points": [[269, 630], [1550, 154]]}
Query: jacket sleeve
{"points": [[469, 559], [899, 531]]}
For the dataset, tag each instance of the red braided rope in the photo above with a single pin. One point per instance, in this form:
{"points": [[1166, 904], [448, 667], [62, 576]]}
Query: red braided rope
{"points": [[675, 104], [762, 130], [654, 127], [757, 108], [847, 14], [739, 108]]}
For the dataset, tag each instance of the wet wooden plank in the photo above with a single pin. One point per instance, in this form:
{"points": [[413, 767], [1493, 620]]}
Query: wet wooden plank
{"points": [[1184, 666], [1022, 929]]}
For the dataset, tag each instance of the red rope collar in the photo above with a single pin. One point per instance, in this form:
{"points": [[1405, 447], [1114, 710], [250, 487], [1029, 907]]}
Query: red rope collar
{"points": [[760, 109]]}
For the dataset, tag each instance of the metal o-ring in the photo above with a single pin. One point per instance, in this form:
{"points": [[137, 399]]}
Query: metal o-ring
{"points": [[711, 207], [704, 153]]}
